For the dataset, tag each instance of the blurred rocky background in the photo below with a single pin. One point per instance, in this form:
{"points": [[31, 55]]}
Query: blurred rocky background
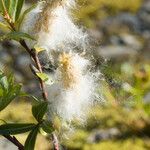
{"points": [[120, 33]]}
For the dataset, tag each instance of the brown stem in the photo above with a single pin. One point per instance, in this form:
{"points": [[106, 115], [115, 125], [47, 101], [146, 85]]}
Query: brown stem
{"points": [[23, 43], [10, 138], [14, 141], [39, 67], [34, 56], [55, 142]]}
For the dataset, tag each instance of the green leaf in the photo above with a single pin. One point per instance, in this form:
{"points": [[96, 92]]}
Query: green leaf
{"points": [[2, 122], [1, 93], [1, 8], [7, 6], [7, 3], [39, 110], [43, 76], [22, 17], [16, 91], [4, 27], [4, 82], [31, 139], [19, 8], [12, 8], [2, 5], [8, 96], [12, 129], [147, 108], [16, 36], [8, 90], [47, 127]]}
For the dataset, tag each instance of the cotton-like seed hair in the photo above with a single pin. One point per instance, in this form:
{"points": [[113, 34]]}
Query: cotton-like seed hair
{"points": [[51, 24], [72, 93]]}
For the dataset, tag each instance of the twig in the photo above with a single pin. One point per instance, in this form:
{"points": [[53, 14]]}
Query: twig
{"points": [[34, 56], [55, 142], [9, 21], [14, 141]]}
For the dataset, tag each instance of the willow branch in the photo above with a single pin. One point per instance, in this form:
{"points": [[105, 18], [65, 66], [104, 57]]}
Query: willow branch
{"points": [[34, 56], [9, 21], [14, 141], [55, 142]]}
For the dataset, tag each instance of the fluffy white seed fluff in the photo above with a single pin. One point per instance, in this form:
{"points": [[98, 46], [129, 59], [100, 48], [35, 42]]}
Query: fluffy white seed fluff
{"points": [[51, 24], [72, 93]]}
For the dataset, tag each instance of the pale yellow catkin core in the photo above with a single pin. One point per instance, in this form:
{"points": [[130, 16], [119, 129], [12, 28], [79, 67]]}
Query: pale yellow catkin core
{"points": [[46, 16], [70, 73]]}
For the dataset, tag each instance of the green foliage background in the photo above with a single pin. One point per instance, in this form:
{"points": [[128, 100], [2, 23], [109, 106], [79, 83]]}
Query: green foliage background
{"points": [[93, 10]]}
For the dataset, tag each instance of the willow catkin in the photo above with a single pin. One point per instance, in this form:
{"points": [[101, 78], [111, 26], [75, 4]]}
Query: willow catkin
{"points": [[72, 93]]}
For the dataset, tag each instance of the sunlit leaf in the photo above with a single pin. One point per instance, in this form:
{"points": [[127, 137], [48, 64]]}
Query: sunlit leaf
{"points": [[1, 93], [12, 8], [7, 3], [4, 82], [38, 49], [2, 122], [43, 76], [1, 8], [19, 8], [16, 36], [8, 90], [22, 17], [4, 27]]}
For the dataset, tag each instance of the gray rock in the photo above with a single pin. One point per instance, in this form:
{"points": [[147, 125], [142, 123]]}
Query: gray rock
{"points": [[131, 41], [144, 15], [23, 60], [6, 145], [127, 20], [95, 33], [4, 57], [147, 98], [126, 40], [98, 135], [22, 64], [121, 45], [115, 51]]}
